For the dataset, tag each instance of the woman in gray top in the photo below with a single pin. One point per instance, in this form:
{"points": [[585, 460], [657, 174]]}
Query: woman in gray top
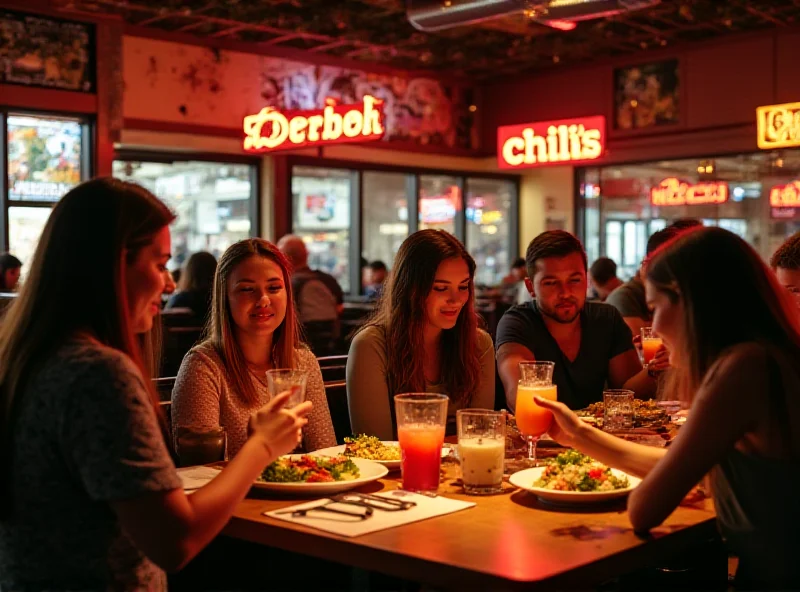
{"points": [[424, 337], [737, 364], [89, 497]]}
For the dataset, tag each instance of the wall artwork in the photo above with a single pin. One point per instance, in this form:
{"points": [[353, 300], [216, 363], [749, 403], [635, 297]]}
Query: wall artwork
{"points": [[647, 95], [40, 51]]}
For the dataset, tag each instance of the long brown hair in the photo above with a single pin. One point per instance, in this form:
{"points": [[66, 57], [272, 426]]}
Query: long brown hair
{"points": [[401, 315], [220, 330], [106, 222], [198, 272], [729, 297]]}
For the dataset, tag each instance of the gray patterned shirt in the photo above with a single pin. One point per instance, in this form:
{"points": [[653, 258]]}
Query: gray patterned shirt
{"points": [[85, 434]]}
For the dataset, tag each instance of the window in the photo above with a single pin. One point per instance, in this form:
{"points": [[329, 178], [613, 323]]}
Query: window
{"points": [[321, 200], [213, 201], [439, 200], [46, 158], [488, 215], [385, 214]]}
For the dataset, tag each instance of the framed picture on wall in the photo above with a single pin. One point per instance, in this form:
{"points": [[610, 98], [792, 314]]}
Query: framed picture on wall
{"points": [[647, 95], [48, 52]]}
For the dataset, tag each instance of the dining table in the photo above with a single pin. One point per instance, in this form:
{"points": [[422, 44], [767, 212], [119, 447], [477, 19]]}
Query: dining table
{"points": [[507, 541]]}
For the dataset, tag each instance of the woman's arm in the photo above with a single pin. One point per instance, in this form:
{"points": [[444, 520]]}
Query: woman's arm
{"points": [[367, 390], [196, 394], [319, 432], [484, 394]]}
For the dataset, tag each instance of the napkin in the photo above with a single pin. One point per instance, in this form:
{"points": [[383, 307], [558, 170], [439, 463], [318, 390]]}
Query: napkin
{"points": [[195, 477], [427, 507]]}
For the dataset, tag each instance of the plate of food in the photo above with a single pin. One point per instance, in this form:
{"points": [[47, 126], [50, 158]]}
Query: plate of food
{"points": [[306, 474], [383, 452], [646, 414], [574, 478]]}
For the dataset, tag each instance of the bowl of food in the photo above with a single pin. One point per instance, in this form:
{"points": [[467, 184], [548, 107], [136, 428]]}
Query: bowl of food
{"points": [[572, 477], [305, 474]]}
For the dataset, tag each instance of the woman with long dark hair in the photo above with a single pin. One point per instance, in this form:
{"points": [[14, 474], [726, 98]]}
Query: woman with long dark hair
{"points": [[195, 285], [253, 328], [89, 497], [736, 363], [423, 338]]}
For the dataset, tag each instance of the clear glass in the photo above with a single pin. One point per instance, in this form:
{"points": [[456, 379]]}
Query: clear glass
{"points": [[533, 421], [481, 449], [488, 216], [321, 202], [439, 200], [212, 201], [25, 226], [385, 214], [421, 420], [617, 410], [201, 446], [650, 345], [45, 157], [287, 379]]}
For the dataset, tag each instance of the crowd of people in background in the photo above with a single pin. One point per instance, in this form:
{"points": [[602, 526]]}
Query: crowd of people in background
{"points": [[109, 511]]}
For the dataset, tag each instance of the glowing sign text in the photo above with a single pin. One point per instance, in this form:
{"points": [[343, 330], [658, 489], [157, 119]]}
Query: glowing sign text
{"points": [[785, 196], [674, 192], [335, 124], [550, 142], [778, 126]]}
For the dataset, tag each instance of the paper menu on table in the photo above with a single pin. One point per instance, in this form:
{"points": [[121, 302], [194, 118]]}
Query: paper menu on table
{"points": [[195, 477], [427, 507]]}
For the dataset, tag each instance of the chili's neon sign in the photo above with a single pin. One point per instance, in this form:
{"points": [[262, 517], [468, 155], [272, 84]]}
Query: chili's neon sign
{"points": [[270, 130], [550, 142]]}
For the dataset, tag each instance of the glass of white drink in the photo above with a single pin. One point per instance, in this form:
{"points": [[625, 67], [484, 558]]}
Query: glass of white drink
{"points": [[481, 449]]}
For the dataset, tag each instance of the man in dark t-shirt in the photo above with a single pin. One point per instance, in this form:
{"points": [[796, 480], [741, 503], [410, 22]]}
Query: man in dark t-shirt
{"points": [[588, 341]]}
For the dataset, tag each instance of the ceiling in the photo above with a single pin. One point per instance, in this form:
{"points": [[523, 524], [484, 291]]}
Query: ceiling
{"points": [[377, 31]]}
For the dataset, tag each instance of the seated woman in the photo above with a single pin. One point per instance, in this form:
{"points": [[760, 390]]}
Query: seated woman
{"points": [[423, 338], [195, 285], [10, 269], [736, 361], [253, 328], [89, 496]]}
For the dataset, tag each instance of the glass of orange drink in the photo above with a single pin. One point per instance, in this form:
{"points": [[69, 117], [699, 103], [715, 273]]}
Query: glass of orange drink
{"points": [[421, 420], [536, 380], [650, 345]]}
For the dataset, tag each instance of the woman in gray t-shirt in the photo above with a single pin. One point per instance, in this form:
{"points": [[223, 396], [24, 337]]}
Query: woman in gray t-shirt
{"points": [[90, 498]]}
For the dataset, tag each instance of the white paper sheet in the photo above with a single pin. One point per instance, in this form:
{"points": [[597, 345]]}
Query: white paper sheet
{"points": [[195, 477]]}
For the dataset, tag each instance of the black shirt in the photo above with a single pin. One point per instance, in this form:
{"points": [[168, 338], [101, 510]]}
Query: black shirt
{"points": [[604, 335]]}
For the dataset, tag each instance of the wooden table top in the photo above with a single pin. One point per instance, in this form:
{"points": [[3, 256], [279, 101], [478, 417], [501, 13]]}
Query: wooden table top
{"points": [[507, 541]]}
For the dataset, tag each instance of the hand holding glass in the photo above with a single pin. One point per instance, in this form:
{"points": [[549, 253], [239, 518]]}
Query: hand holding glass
{"points": [[286, 379], [536, 380]]}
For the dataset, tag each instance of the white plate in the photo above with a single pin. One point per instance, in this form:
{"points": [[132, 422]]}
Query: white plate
{"points": [[369, 471], [392, 465], [525, 480]]}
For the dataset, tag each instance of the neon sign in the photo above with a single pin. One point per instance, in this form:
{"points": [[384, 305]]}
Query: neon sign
{"points": [[785, 196], [674, 192], [550, 142], [270, 130], [778, 126]]}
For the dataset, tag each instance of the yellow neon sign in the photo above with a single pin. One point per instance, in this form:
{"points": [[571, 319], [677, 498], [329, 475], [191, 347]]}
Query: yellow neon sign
{"points": [[778, 126]]}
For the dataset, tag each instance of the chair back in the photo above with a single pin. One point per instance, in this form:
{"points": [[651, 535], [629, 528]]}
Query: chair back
{"points": [[177, 341], [336, 393], [333, 368], [164, 387]]}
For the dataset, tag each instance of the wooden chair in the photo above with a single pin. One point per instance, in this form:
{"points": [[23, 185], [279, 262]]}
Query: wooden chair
{"points": [[177, 341], [333, 368], [336, 393], [164, 387]]}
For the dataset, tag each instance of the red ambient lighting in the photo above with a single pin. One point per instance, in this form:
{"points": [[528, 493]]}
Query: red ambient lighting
{"points": [[551, 142], [270, 130], [674, 192]]}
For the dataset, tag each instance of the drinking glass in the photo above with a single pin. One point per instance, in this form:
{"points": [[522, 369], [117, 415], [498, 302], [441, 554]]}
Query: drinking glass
{"points": [[536, 380], [201, 446], [650, 345], [617, 410], [421, 420], [481, 449], [286, 379]]}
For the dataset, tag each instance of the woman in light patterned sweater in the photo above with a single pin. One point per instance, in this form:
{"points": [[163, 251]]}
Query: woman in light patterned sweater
{"points": [[253, 328]]}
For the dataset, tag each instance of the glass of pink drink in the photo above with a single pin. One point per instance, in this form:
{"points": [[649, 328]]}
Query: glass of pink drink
{"points": [[421, 419]]}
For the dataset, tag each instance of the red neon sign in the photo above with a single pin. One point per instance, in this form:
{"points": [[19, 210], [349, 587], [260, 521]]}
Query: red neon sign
{"points": [[674, 192], [270, 130], [785, 196], [551, 142]]}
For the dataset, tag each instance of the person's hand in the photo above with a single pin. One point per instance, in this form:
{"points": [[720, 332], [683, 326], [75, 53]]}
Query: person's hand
{"points": [[566, 427], [279, 429], [660, 362]]}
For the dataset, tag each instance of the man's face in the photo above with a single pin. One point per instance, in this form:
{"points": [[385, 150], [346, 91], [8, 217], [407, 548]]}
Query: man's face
{"points": [[790, 279], [559, 286]]}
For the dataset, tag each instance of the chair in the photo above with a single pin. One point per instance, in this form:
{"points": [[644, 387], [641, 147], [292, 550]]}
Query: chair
{"points": [[177, 341], [164, 387], [333, 368], [336, 393]]}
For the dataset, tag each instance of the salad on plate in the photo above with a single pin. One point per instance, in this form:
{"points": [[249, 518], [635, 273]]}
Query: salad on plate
{"points": [[371, 448], [310, 469], [573, 471]]}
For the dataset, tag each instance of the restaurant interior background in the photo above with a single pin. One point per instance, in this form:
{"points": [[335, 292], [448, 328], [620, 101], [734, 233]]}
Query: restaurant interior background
{"points": [[160, 98]]}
